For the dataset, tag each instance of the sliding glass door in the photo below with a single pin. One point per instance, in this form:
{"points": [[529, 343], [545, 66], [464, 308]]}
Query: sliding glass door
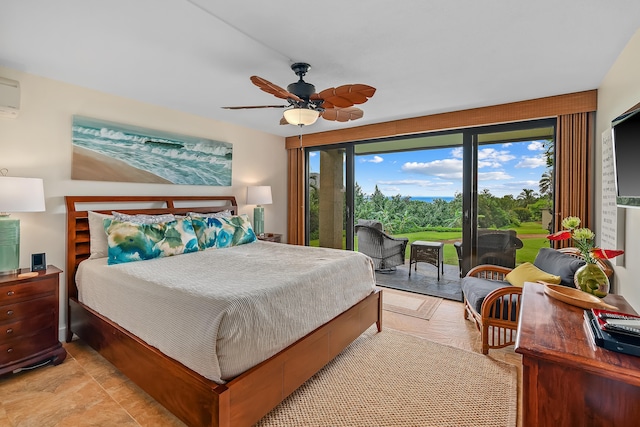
{"points": [[450, 186]]}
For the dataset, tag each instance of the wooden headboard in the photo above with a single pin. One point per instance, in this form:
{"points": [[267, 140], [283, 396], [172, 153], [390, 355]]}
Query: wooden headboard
{"points": [[78, 247]]}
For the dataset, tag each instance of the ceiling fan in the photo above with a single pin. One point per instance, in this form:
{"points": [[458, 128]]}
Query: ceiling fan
{"points": [[305, 105]]}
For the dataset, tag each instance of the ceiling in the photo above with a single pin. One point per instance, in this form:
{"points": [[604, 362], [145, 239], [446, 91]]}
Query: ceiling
{"points": [[423, 56]]}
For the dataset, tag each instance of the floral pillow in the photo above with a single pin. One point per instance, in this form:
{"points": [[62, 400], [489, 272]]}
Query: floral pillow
{"points": [[223, 232], [129, 241]]}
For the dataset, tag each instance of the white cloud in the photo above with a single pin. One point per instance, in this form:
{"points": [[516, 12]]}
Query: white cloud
{"points": [[535, 146], [457, 152], [313, 154], [507, 144], [495, 156], [374, 159], [445, 168], [493, 176], [390, 190], [531, 162]]}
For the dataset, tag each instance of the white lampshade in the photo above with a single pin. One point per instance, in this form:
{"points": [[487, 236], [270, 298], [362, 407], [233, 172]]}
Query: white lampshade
{"points": [[301, 116], [259, 195], [21, 194]]}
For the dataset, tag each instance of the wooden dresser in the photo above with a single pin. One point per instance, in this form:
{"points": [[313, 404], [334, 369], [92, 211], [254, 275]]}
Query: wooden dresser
{"points": [[29, 320], [567, 380]]}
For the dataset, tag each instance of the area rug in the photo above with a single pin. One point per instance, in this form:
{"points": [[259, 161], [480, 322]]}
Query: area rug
{"points": [[410, 304], [424, 281], [394, 379]]}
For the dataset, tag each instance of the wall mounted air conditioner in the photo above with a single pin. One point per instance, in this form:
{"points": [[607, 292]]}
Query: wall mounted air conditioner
{"points": [[9, 98]]}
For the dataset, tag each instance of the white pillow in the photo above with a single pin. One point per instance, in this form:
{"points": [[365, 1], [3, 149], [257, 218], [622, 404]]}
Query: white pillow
{"points": [[98, 245]]}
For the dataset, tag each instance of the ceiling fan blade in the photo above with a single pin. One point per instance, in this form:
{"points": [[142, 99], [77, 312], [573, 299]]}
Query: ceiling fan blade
{"points": [[274, 90], [346, 95], [342, 114], [283, 121], [254, 106]]}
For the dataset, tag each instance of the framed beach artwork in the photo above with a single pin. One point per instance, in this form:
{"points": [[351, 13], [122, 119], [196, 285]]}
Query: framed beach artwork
{"points": [[106, 151]]}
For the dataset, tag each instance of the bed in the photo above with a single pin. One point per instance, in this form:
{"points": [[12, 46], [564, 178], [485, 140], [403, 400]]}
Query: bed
{"points": [[197, 398]]}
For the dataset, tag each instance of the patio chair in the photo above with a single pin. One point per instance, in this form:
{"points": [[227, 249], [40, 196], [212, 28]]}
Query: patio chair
{"points": [[498, 247], [386, 251], [495, 247]]}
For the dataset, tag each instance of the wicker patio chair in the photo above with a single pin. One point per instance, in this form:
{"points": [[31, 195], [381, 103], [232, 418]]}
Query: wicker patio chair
{"points": [[498, 247], [386, 251]]}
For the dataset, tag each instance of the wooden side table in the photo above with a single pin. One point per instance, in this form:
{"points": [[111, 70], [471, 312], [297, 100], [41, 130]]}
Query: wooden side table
{"points": [[567, 380], [29, 320], [429, 252], [270, 237]]}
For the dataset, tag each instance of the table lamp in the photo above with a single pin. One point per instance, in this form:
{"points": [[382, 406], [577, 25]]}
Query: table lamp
{"points": [[259, 195], [16, 195]]}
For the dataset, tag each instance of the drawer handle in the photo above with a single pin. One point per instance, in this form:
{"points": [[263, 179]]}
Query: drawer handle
{"points": [[11, 293], [9, 312], [9, 350], [9, 331]]}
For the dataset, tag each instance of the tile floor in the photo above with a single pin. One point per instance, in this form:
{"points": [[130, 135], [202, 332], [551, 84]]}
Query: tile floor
{"points": [[86, 390]]}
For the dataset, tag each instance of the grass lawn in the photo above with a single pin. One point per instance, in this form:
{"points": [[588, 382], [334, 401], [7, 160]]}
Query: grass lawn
{"points": [[533, 237]]}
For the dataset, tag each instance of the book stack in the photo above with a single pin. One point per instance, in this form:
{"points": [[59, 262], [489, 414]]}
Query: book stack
{"points": [[614, 330]]}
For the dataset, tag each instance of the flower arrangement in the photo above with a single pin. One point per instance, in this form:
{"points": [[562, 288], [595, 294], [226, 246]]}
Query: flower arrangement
{"points": [[583, 239]]}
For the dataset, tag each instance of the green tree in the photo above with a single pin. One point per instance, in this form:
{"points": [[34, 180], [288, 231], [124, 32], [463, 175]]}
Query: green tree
{"points": [[527, 197]]}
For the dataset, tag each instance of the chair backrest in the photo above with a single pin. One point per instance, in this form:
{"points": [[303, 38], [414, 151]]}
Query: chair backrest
{"points": [[371, 223], [498, 247]]}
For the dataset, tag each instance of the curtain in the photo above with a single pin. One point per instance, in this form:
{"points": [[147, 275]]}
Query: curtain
{"points": [[574, 181], [296, 213]]}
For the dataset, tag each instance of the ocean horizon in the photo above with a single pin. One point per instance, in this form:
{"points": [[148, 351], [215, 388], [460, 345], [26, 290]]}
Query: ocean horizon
{"points": [[430, 199]]}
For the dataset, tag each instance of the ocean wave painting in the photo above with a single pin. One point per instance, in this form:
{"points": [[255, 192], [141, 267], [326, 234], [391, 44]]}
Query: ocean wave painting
{"points": [[105, 151]]}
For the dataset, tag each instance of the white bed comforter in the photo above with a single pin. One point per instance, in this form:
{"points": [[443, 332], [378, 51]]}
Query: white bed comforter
{"points": [[222, 311]]}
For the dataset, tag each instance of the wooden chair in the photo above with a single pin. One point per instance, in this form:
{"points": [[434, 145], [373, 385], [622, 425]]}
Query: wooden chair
{"points": [[497, 319]]}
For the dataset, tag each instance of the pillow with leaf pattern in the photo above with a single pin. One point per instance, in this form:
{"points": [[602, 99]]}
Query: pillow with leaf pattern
{"points": [[130, 241], [223, 232]]}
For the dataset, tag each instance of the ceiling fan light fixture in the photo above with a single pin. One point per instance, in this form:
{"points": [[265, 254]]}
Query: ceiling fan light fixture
{"points": [[301, 116]]}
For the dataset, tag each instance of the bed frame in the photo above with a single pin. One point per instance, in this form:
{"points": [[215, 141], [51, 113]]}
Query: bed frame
{"points": [[196, 400]]}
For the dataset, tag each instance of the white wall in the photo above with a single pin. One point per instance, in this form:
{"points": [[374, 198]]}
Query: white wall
{"points": [[38, 144], [619, 91]]}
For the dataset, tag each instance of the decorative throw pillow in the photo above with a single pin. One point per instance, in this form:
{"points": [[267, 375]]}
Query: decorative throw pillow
{"points": [[528, 272], [98, 246], [223, 232], [129, 241], [555, 262], [143, 218], [225, 213]]}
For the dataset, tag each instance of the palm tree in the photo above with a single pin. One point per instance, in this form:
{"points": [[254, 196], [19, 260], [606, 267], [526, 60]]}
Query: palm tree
{"points": [[545, 184], [527, 197]]}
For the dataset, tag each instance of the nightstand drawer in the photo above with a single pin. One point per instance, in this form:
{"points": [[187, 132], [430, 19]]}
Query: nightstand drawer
{"points": [[23, 291], [26, 326], [28, 309], [14, 350]]}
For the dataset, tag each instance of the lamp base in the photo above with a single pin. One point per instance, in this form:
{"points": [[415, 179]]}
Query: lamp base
{"points": [[9, 245], [258, 220]]}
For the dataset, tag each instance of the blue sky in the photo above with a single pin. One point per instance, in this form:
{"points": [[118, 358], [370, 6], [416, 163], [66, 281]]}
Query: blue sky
{"points": [[503, 169]]}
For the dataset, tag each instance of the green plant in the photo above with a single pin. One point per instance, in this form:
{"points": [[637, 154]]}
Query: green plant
{"points": [[583, 239]]}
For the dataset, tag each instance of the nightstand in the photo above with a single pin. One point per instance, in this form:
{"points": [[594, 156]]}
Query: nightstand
{"points": [[29, 320], [271, 237]]}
